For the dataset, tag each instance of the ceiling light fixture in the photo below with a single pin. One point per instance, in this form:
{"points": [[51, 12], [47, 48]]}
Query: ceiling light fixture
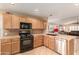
{"points": [[12, 3], [36, 10], [76, 4]]}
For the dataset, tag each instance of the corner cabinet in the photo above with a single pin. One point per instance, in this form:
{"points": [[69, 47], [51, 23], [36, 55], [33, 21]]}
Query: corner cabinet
{"points": [[49, 41], [46, 41], [38, 40]]}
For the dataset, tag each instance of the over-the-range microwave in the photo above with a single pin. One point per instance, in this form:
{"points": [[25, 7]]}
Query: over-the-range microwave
{"points": [[25, 25]]}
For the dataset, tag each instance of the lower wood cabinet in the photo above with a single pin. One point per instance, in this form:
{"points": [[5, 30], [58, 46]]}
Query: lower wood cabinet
{"points": [[46, 41], [6, 47], [10, 46], [38, 40], [49, 41], [15, 46]]}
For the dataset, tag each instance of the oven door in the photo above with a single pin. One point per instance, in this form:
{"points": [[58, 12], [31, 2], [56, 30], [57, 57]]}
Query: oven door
{"points": [[26, 42], [26, 45]]}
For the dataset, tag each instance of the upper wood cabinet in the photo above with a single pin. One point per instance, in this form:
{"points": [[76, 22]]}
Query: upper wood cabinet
{"points": [[22, 19], [7, 19], [36, 23], [11, 21], [45, 24], [15, 22]]}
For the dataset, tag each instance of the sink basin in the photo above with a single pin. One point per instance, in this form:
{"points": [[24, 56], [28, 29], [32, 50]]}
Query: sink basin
{"points": [[52, 34]]}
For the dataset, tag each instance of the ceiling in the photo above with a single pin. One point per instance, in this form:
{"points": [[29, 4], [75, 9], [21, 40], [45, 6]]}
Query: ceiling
{"points": [[58, 10]]}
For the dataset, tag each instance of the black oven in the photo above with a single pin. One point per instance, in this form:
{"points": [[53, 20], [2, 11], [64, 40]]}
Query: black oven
{"points": [[26, 41], [26, 37], [25, 25]]}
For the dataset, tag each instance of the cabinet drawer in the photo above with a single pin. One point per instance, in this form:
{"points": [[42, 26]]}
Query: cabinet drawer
{"points": [[5, 40], [14, 40]]}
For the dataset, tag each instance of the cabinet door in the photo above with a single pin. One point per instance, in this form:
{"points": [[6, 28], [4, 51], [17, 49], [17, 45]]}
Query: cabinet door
{"points": [[2, 48], [29, 20], [41, 24], [8, 48], [36, 23], [15, 22], [7, 18], [38, 41], [22, 19], [51, 43], [15, 46], [46, 41], [44, 24]]}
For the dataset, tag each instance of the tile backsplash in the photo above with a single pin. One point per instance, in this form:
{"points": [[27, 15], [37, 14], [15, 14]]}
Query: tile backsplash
{"points": [[11, 32]]}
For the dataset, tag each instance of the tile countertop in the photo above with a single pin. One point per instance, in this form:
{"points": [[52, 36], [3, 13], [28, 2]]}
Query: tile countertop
{"points": [[64, 36], [7, 37], [38, 34]]}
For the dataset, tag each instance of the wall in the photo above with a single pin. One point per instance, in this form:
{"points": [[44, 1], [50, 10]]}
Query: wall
{"points": [[1, 25]]}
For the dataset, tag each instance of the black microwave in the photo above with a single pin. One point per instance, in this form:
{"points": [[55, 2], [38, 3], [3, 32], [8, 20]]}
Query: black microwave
{"points": [[25, 25]]}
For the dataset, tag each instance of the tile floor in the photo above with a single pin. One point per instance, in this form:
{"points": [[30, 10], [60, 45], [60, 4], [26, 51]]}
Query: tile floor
{"points": [[39, 51]]}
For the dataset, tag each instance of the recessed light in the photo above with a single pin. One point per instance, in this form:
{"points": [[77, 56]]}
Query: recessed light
{"points": [[12, 3], [76, 4], [36, 10]]}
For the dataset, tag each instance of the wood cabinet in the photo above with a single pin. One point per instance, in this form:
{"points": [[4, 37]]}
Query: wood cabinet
{"points": [[7, 19], [36, 23], [10, 46], [38, 40], [45, 24], [6, 47], [11, 21], [22, 19], [40, 24], [15, 22], [15, 45], [46, 41], [51, 42]]}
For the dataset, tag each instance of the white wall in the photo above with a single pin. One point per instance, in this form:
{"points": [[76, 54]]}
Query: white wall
{"points": [[1, 26]]}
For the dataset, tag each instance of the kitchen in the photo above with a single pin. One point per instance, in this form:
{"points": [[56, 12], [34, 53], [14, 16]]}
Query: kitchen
{"points": [[35, 30]]}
